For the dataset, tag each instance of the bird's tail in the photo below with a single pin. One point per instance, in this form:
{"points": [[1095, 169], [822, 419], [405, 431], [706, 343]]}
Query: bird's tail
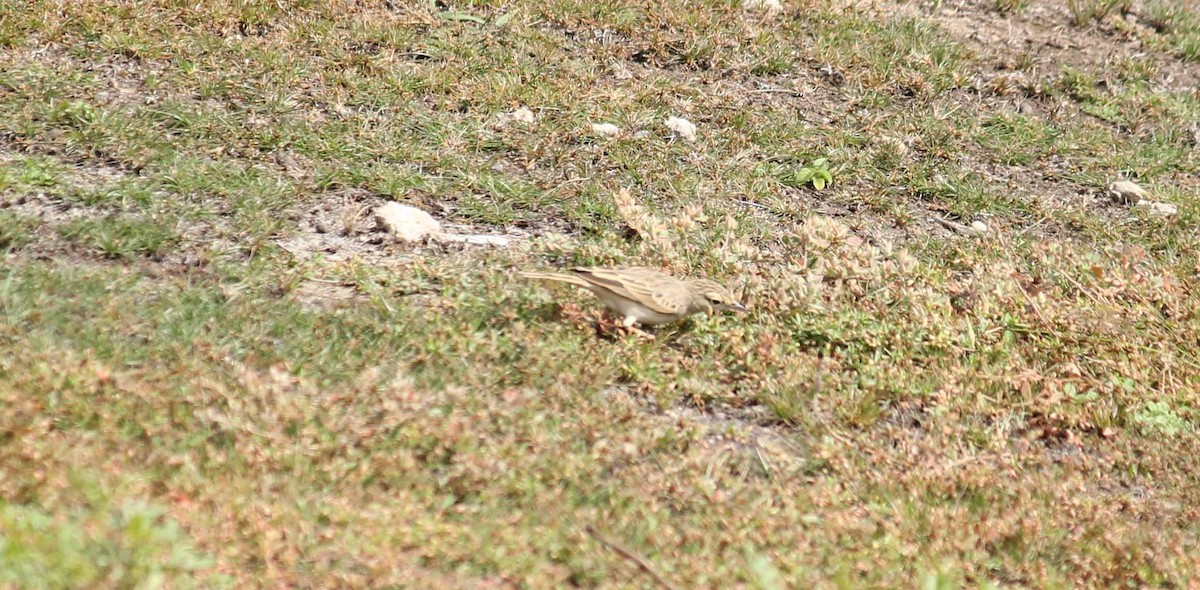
{"points": [[556, 276]]}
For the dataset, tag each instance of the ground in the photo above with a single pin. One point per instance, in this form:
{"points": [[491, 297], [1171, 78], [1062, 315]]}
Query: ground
{"points": [[964, 364]]}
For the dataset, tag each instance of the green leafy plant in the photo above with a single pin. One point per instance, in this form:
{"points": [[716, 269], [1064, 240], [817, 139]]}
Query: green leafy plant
{"points": [[36, 172], [816, 173], [1159, 417]]}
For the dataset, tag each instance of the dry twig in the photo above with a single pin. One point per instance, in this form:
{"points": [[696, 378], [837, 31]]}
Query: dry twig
{"points": [[641, 562]]}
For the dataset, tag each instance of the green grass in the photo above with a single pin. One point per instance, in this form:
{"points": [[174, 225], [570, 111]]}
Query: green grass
{"points": [[180, 406], [15, 231], [133, 546], [121, 238], [1180, 23]]}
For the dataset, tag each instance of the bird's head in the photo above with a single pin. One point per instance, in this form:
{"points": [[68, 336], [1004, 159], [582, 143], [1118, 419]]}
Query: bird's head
{"points": [[712, 296]]}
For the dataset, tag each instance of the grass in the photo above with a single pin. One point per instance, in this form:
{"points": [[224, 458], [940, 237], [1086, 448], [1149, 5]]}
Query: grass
{"points": [[1084, 12], [1181, 25], [132, 546], [215, 373]]}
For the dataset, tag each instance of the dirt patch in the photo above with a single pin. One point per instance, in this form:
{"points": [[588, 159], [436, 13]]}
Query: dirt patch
{"points": [[60, 224], [39, 194], [340, 226], [118, 79], [748, 435], [743, 428], [322, 295], [1044, 35]]}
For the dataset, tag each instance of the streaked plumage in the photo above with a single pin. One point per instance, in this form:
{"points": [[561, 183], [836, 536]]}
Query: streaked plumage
{"points": [[646, 295]]}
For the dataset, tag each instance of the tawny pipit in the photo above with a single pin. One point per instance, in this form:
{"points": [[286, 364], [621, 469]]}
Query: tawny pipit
{"points": [[646, 295]]}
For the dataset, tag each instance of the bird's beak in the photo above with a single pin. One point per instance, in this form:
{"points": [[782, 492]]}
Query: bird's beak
{"points": [[737, 307]]}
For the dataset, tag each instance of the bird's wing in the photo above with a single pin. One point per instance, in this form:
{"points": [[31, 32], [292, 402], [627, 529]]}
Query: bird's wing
{"points": [[654, 290], [559, 277]]}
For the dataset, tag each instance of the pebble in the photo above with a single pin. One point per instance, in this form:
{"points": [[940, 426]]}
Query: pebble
{"points": [[682, 128], [406, 223]]}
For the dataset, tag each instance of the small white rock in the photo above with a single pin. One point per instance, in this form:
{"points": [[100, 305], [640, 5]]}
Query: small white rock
{"points": [[408, 224], [606, 129], [1127, 192], [523, 115], [979, 226], [1157, 208], [768, 6], [682, 128]]}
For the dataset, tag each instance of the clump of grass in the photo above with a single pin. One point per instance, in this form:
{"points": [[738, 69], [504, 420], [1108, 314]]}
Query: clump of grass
{"points": [[121, 236], [31, 174], [15, 231], [1181, 24], [131, 545], [1084, 12], [1010, 6]]}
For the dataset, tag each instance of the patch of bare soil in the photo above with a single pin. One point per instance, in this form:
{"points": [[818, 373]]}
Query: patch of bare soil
{"points": [[340, 226], [54, 209], [1025, 50], [1043, 34], [319, 295], [744, 429], [51, 211], [747, 435]]}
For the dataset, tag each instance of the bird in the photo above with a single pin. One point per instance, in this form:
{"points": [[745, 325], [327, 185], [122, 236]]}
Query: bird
{"points": [[643, 295]]}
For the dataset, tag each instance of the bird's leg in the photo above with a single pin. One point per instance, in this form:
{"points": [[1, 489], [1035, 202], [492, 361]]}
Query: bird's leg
{"points": [[628, 323], [607, 326]]}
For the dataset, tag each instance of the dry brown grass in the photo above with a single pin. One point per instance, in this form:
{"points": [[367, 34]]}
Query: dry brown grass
{"points": [[905, 404]]}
